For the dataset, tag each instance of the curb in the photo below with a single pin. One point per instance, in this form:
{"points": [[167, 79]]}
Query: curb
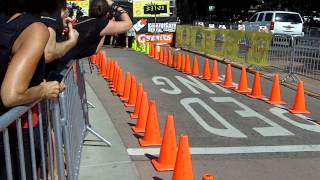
{"points": [[239, 66]]}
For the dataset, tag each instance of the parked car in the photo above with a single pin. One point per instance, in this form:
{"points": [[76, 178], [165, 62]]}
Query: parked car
{"points": [[276, 22]]}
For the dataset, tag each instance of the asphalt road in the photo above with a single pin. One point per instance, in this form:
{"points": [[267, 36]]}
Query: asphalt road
{"points": [[231, 136]]}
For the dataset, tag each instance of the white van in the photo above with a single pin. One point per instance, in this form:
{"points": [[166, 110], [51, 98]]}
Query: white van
{"points": [[277, 22]]}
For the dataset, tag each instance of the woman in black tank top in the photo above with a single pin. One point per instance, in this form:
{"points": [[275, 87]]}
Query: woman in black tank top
{"points": [[23, 39], [105, 18]]}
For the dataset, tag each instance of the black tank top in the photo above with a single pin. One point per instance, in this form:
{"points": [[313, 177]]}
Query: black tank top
{"points": [[9, 32]]}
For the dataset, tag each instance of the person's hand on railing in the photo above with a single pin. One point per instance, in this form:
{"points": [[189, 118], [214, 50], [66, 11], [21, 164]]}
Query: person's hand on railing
{"points": [[51, 89]]}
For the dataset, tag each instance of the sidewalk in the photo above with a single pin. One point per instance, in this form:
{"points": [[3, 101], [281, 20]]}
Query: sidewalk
{"points": [[98, 161]]}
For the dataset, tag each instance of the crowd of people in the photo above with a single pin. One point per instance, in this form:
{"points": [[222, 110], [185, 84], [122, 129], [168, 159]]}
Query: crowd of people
{"points": [[38, 38]]}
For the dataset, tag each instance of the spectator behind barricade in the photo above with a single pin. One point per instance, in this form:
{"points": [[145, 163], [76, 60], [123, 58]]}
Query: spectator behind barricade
{"points": [[62, 35], [93, 29], [22, 65]]}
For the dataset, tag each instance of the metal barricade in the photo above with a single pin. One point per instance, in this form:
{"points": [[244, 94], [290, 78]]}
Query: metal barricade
{"points": [[53, 147], [296, 55]]}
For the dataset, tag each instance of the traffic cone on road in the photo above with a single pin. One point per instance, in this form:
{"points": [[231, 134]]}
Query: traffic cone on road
{"points": [[175, 60], [228, 78], [207, 177], [299, 106], [114, 83], [143, 115], [183, 166], [137, 104], [152, 135], [120, 84], [126, 90], [179, 62], [108, 69], [168, 150], [183, 63], [165, 56], [133, 93], [214, 78], [275, 96], [256, 87], [170, 62], [195, 67], [110, 72], [187, 68], [161, 55], [206, 70], [103, 67], [243, 83], [156, 53]]}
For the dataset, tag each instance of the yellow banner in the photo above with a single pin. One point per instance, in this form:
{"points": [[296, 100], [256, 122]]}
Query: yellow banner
{"points": [[83, 4], [146, 8]]}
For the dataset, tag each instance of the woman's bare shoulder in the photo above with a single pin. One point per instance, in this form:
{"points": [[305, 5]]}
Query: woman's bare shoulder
{"points": [[38, 29]]}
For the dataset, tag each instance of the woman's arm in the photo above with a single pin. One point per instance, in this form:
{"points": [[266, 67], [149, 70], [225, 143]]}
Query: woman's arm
{"points": [[55, 50], [117, 27], [27, 51]]}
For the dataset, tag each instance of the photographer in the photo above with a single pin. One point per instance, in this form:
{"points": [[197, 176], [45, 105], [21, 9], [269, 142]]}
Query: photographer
{"points": [[105, 18]]}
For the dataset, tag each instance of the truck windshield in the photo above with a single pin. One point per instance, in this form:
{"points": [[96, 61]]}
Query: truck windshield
{"points": [[288, 17]]}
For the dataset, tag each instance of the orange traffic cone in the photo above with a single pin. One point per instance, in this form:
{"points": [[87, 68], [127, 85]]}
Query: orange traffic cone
{"points": [[108, 69], [110, 72], [103, 71], [156, 53], [195, 67], [152, 50], [137, 105], [183, 63], [120, 84], [161, 55], [170, 63], [299, 106], [243, 83], [143, 115], [228, 79], [179, 62], [133, 93], [114, 83], [206, 70], [152, 135], [275, 97], [187, 68], [175, 60], [207, 177], [214, 78], [183, 166], [168, 150], [127, 84], [256, 87], [165, 58]]}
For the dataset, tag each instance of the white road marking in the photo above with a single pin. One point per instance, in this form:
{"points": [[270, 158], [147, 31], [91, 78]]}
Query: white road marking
{"points": [[232, 150], [193, 83], [311, 126], [227, 131], [157, 80], [273, 129]]}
